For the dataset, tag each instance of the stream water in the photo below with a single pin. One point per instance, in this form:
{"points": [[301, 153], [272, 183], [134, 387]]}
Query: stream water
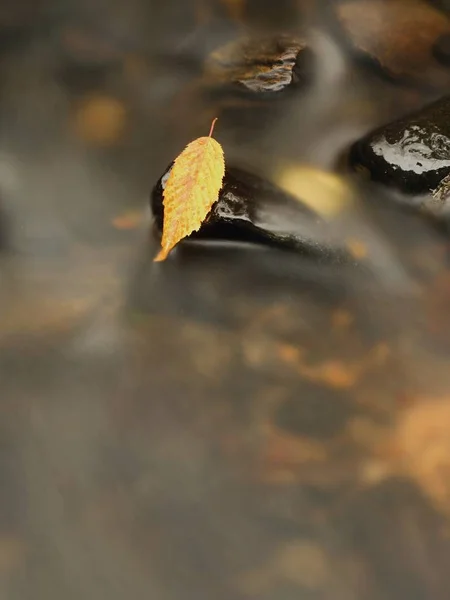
{"points": [[247, 420]]}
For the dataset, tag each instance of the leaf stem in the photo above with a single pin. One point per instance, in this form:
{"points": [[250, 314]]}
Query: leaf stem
{"points": [[212, 127]]}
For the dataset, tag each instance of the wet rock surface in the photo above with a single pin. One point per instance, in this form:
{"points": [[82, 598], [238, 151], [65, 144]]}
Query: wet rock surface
{"points": [[263, 65], [438, 203], [251, 209], [398, 36], [411, 154]]}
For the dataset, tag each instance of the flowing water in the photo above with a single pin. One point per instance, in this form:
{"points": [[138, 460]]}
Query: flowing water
{"points": [[240, 421]]}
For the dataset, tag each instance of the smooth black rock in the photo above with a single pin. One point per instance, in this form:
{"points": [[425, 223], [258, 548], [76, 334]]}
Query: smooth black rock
{"points": [[411, 154], [251, 209]]}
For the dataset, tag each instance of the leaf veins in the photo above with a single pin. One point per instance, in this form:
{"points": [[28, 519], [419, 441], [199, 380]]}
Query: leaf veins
{"points": [[192, 188]]}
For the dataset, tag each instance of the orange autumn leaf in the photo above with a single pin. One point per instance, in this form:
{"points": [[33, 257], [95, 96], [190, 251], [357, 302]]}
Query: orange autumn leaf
{"points": [[192, 188]]}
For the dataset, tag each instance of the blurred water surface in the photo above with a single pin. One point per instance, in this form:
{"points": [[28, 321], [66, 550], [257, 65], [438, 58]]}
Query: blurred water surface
{"points": [[238, 422]]}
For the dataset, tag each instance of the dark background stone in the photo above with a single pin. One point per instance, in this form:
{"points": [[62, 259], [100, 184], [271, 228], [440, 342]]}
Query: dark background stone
{"points": [[396, 36]]}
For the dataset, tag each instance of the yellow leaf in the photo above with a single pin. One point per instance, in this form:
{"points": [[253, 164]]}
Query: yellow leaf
{"points": [[192, 188]]}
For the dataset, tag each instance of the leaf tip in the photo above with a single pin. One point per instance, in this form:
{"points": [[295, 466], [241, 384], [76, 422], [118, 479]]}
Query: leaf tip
{"points": [[162, 255]]}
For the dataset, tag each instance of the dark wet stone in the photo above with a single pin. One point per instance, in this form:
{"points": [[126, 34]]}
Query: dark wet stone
{"points": [[396, 35], [251, 209], [263, 65], [411, 154]]}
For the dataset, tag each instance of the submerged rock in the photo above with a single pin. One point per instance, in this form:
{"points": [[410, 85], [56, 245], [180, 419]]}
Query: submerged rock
{"points": [[411, 154], [247, 84], [251, 209], [397, 35], [263, 65]]}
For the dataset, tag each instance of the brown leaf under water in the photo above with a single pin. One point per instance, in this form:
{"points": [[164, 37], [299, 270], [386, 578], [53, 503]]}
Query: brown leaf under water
{"points": [[192, 188], [422, 446], [12, 552], [128, 220], [100, 120]]}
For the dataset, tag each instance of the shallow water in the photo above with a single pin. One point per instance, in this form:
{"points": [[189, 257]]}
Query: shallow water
{"points": [[237, 422]]}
